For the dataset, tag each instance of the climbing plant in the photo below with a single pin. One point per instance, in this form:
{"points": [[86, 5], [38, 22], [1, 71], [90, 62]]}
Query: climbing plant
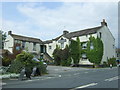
{"points": [[75, 50], [95, 50]]}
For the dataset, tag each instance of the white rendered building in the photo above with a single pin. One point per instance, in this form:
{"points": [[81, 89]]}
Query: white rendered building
{"points": [[102, 32]]}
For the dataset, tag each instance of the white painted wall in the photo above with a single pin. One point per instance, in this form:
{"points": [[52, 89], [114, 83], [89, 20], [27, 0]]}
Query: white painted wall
{"points": [[53, 45], [109, 41], [9, 42]]}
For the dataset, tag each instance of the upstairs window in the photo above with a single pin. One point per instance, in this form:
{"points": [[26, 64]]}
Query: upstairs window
{"points": [[113, 46], [34, 46], [17, 48], [91, 46], [23, 44], [50, 47]]}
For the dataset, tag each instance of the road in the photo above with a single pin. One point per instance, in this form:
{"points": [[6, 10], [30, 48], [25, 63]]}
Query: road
{"points": [[70, 77]]}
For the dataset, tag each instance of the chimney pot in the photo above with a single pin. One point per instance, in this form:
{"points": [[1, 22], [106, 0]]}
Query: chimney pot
{"points": [[65, 32], [9, 32], [103, 23]]}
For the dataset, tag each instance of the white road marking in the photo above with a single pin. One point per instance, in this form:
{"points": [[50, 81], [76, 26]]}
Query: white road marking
{"points": [[111, 79], [59, 75], [84, 86], [4, 83], [76, 73]]}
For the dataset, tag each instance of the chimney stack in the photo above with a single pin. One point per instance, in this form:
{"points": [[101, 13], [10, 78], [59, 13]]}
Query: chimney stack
{"points": [[9, 32], [65, 32], [103, 23]]}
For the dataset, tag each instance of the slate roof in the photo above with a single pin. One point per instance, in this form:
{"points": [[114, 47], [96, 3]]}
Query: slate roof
{"points": [[82, 32], [77, 33], [48, 41], [24, 38]]}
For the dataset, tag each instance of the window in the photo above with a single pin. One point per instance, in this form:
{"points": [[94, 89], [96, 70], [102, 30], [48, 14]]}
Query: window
{"points": [[18, 48], [62, 45], [84, 56], [23, 44], [34, 46], [50, 47], [91, 46], [113, 46], [84, 45], [100, 34]]}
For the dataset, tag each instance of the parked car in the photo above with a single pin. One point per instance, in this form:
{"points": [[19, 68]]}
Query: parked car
{"points": [[118, 63], [35, 59]]}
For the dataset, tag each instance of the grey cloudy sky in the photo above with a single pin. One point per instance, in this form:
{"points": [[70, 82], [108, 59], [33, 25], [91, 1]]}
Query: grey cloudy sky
{"points": [[47, 20]]}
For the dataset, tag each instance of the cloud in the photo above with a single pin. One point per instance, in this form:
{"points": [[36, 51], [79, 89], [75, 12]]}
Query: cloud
{"points": [[47, 23]]}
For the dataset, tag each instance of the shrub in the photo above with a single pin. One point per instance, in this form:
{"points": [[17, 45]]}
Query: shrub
{"points": [[112, 61], [6, 61], [105, 64], [15, 67], [41, 67]]}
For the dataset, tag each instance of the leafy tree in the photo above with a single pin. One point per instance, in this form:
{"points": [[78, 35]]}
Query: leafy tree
{"points": [[16, 66], [56, 55], [2, 39], [75, 51], [95, 54], [64, 56], [25, 58], [79, 47], [112, 61]]}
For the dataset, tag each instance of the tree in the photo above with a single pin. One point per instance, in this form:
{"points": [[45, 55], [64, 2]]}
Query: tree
{"points": [[16, 50], [79, 47], [75, 51], [26, 59], [2, 39], [95, 50], [56, 55], [64, 56], [112, 61]]}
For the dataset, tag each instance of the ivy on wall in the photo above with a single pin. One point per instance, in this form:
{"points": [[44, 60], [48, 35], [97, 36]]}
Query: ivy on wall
{"points": [[75, 50], [95, 50]]}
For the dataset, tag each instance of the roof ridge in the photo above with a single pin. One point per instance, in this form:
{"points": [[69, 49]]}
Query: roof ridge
{"points": [[25, 36], [86, 29]]}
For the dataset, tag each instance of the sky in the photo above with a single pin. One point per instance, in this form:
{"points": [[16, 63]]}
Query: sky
{"points": [[47, 20]]}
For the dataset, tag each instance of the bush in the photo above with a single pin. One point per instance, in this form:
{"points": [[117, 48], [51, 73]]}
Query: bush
{"points": [[112, 61], [6, 61], [41, 67], [15, 67], [105, 64]]}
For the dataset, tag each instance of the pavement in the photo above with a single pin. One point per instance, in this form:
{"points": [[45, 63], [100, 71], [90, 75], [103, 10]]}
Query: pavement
{"points": [[69, 77]]}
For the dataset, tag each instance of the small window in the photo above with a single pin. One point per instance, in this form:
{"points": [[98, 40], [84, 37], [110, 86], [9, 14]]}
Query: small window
{"points": [[62, 45], [23, 44], [84, 45], [91, 46], [50, 47], [18, 48], [113, 46], [100, 34], [84, 56], [34, 46]]}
